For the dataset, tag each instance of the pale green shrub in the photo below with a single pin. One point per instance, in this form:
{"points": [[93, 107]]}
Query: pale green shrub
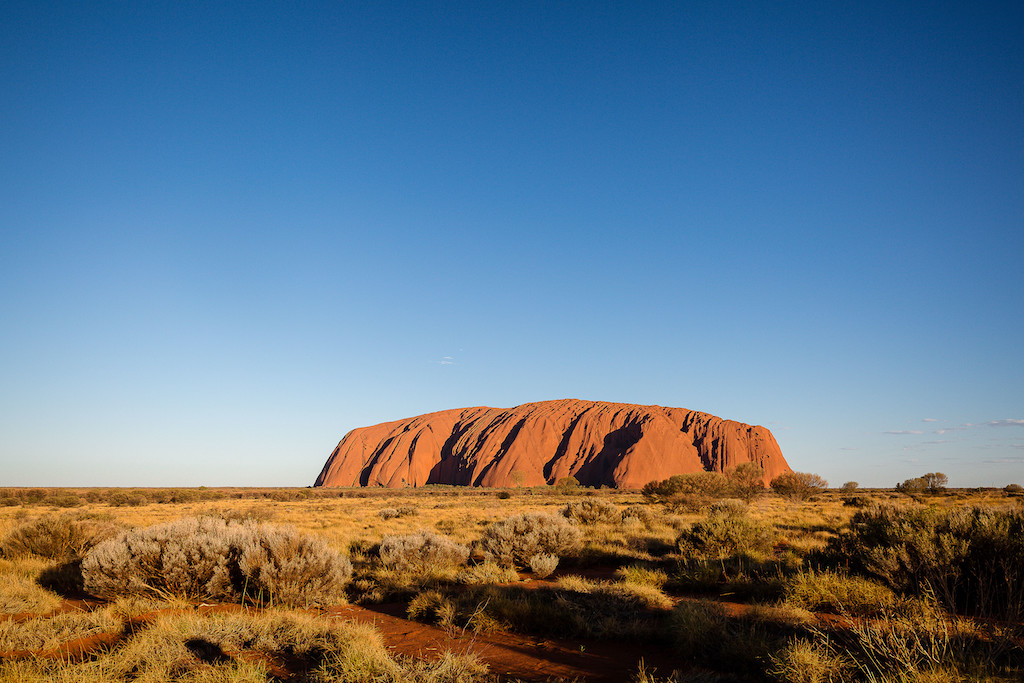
{"points": [[640, 513], [55, 537], [515, 540], [543, 564], [422, 551], [212, 559], [591, 512]]}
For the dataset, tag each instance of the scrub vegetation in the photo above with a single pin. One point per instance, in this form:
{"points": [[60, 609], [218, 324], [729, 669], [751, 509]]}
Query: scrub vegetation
{"points": [[714, 576]]}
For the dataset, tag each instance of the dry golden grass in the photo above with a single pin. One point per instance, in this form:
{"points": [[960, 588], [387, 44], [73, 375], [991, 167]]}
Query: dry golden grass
{"points": [[19, 591], [631, 534]]}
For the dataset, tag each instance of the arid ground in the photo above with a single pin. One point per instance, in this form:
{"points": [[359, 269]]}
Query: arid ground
{"points": [[533, 584]]}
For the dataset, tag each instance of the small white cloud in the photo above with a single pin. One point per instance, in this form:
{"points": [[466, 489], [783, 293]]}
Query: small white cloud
{"points": [[929, 419], [446, 360], [947, 430], [903, 431], [1005, 423]]}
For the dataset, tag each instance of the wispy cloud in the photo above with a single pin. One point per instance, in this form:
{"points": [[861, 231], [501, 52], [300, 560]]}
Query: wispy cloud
{"points": [[1004, 461], [903, 431], [929, 419], [972, 425], [447, 360]]}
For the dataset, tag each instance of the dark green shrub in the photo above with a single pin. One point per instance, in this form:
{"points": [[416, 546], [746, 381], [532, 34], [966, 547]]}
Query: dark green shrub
{"points": [[971, 559], [566, 484], [727, 531], [932, 483], [798, 486], [687, 492], [65, 500], [127, 499]]}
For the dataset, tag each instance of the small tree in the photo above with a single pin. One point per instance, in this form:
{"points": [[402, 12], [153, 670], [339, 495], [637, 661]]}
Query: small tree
{"points": [[849, 487], [798, 486], [746, 480], [567, 483], [935, 482]]}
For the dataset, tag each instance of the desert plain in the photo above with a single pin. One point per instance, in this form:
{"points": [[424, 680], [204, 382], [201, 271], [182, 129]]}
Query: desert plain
{"points": [[695, 578]]}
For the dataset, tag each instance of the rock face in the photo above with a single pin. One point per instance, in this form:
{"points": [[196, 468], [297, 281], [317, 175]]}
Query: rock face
{"points": [[612, 444]]}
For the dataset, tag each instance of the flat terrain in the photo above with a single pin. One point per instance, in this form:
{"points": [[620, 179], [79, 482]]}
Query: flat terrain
{"points": [[650, 589]]}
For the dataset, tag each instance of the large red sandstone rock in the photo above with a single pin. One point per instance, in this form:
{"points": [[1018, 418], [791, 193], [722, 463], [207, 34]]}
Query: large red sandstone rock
{"points": [[613, 444]]}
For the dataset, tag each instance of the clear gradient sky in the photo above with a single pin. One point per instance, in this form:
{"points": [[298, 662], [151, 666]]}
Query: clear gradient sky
{"points": [[231, 232]]}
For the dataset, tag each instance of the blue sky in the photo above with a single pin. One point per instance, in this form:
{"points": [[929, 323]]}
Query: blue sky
{"points": [[231, 232]]}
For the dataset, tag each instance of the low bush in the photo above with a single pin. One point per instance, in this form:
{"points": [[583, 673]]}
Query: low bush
{"points": [[513, 541], [591, 512], [543, 565], [394, 513], [641, 513], [423, 551], [127, 499], [727, 531], [971, 559], [55, 537], [65, 500], [687, 492], [212, 559]]}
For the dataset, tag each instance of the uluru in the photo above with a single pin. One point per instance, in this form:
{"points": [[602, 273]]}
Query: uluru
{"points": [[600, 444]]}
